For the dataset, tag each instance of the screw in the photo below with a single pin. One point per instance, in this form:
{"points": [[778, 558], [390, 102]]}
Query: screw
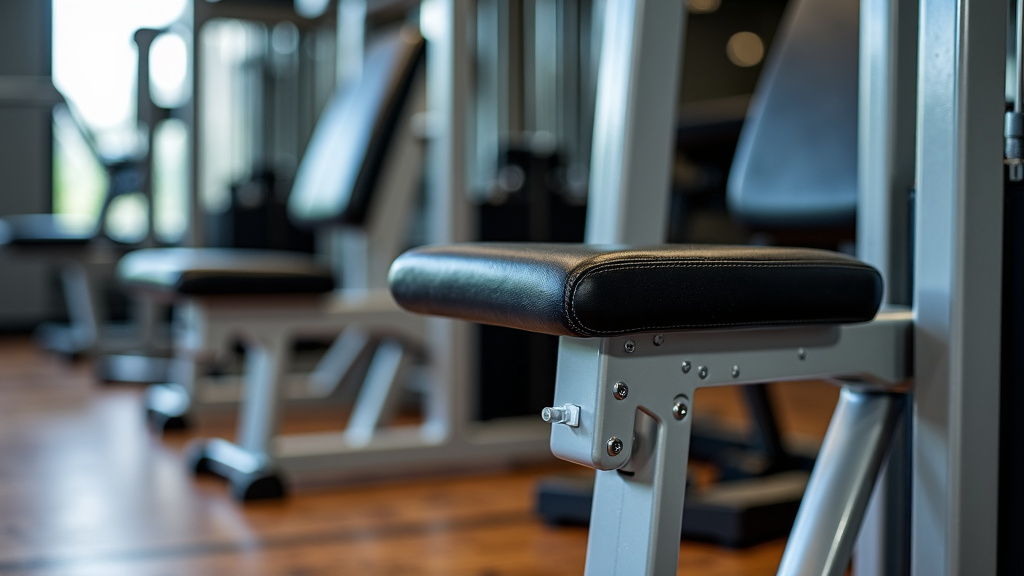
{"points": [[686, 367], [614, 446], [659, 339], [702, 371], [680, 409], [735, 371], [620, 390], [630, 346], [801, 353]]}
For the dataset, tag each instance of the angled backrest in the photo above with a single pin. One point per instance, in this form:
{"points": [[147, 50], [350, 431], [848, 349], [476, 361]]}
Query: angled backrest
{"points": [[796, 161], [338, 173]]}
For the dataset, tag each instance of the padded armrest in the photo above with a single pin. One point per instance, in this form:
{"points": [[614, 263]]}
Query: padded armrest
{"points": [[212, 271], [584, 290]]}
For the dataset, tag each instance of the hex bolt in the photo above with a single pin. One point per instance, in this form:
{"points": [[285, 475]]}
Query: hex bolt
{"points": [[735, 371], [681, 407], [801, 354], [702, 371], [686, 367], [630, 346], [620, 390], [614, 446], [659, 339]]}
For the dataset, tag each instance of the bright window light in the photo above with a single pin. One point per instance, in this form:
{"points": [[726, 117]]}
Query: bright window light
{"points": [[94, 66]]}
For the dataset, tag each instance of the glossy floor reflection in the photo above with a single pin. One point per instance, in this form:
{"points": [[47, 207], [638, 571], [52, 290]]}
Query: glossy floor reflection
{"points": [[86, 489]]}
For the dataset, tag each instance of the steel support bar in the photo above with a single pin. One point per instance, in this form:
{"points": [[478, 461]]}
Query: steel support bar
{"points": [[840, 486], [665, 365], [378, 396], [631, 158]]}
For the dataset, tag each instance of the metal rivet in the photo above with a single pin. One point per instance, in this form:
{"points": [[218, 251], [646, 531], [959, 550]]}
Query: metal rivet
{"points": [[620, 390], [659, 339], [680, 409], [702, 371], [801, 353], [735, 371], [630, 346], [686, 367], [614, 446]]}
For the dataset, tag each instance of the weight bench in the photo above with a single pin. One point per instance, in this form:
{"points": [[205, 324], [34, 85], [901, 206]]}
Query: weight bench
{"points": [[357, 181], [356, 184], [641, 329], [85, 252]]}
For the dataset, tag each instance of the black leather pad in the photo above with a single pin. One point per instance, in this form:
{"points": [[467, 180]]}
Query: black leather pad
{"points": [[210, 272], [34, 230], [796, 161], [584, 290], [338, 175]]}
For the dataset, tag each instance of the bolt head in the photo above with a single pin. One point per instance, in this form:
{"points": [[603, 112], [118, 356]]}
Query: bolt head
{"points": [[659, 339], [680, 410], [702, 371], [735, 371], [629, 346], [801, 353], [614, 446], [620, 390], [686, 367]]}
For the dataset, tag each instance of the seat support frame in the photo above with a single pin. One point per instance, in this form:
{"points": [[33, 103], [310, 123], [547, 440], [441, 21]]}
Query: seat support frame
{"points": [[635, 396]]}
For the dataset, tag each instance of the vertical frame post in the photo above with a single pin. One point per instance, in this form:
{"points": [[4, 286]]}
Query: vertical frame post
{"points": [[957, 287], [445, 25], [885, 157], [634, 122]]}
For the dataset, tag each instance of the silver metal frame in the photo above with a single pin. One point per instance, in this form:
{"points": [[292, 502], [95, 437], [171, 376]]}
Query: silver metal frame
{"points": [[631, 157], [635, 398], [958, 264], [886, 145]]}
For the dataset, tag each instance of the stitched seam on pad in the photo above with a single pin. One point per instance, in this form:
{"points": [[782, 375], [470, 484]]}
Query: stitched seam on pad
{"points": [[574, 281]]}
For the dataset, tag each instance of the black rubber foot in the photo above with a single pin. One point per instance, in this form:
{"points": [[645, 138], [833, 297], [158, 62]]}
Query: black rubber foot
{"points": [[257, 486], [196, 459], [160, 422]]}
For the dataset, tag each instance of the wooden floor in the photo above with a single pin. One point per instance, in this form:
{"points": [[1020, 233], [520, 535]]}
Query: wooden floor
{"points": [[85, 489]]}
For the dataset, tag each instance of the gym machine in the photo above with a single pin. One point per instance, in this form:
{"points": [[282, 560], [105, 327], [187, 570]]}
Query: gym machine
{"points": [[790, 189], [953, 442]]}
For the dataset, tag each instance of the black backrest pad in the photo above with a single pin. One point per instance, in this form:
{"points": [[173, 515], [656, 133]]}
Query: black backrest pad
{"points": [[582, 290], [796, 161], [338, 173]]}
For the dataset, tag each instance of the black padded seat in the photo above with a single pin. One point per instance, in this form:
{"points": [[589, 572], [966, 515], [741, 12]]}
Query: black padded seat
{"points": [[172, 272], [586, 290], [36, 230], [333, 185]]}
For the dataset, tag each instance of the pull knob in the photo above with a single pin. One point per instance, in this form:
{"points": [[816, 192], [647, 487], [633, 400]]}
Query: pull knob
{"points": [[568, 414]]}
